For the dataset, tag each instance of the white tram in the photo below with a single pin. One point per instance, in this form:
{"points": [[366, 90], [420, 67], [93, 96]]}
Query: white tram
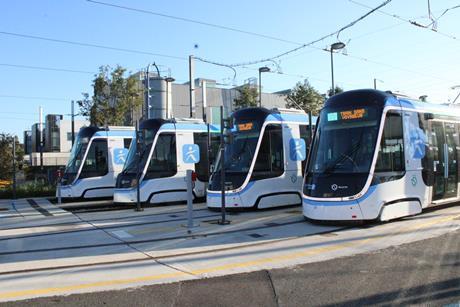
{"points": [[265, 161], [377, 156], [169, 148], [96, 159]]}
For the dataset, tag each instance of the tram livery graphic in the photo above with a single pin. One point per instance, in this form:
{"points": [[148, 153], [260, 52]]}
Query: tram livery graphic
{"points": [[265, 161], [96, 159], [169, 148], [378, 156]]}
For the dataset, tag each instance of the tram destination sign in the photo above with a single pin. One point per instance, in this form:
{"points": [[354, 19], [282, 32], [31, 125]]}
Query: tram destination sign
{"points": [[245, 126], [347, 115]]}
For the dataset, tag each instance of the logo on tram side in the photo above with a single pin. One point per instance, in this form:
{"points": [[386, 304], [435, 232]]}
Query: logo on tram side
{"points": [[119, 155], [190, 153], [297, 149]]}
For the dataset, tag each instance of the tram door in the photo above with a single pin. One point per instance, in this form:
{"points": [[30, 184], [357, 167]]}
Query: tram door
{"points": [[444, 141]]}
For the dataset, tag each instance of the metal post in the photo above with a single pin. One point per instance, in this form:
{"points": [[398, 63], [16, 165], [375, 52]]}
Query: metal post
{"points": [[147, 97], [203, 92], [375, 83], [311, 126], [40, 127], [167, 99], [73, 121], [191, 64], [14, 168], [332, 71], [260, 88], [138, 153], [222, 221], [59, 191], [188, 179]]}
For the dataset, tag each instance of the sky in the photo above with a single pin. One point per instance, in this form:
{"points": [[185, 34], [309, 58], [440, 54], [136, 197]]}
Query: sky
{"points": [[402, 57]]}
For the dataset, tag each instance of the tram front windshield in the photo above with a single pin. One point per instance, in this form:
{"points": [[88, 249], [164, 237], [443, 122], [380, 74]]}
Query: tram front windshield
{"points": [[133, 160], [342, 152], [238, 155], [76, 158]]}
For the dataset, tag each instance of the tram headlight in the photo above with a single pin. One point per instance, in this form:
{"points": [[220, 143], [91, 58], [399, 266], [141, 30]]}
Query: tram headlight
{"points": [[126, 181]]}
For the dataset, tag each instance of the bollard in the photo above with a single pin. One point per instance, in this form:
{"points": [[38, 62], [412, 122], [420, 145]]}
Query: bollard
{"points": [[188, 179], [59, 192]]}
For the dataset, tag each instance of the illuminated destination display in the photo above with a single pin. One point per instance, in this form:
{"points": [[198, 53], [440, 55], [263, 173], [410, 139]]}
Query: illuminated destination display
{"points": [[353, 114], [245, 127], [347, 115]]}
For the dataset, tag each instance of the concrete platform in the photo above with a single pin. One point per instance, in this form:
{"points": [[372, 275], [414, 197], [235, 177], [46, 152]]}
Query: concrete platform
{"points": [[64, 253]]}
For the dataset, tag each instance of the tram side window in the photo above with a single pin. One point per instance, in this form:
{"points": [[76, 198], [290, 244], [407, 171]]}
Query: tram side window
{"points": [[270, 158], [305, 135], [391, 150], [96, 164], [127, 143], [164, 157]]}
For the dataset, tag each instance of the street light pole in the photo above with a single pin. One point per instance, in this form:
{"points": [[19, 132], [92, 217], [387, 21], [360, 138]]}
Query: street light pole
{"points": [[334, 46], [168, 109], [14, 168], [261, 70]]}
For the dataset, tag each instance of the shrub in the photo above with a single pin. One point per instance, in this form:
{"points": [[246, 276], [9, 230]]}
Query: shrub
{"points": [[30, 189]]}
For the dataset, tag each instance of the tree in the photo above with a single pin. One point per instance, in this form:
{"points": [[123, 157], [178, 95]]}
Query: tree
{"points": [[305, 96], [247, 97], [114, 98], [338, 90], [423, 98], [6, 155]]}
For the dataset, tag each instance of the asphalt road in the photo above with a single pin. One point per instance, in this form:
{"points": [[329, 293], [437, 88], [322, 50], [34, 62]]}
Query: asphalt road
{"points": [[420, 273]]}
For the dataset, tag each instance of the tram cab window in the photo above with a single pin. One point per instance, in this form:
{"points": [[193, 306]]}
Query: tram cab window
{"points": [[390, 157], [305, 135], [270, 158], [163, 162], [202, 167], [96, 164]]}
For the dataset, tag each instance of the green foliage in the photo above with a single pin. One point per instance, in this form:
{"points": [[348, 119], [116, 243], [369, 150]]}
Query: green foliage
{"points": [[247, 97], [114, 98], [338, 90], [30, 189], [6, 155], [306, 97]]}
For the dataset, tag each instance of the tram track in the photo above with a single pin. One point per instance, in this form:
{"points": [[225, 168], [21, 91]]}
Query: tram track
{"points": [[95, 228], [121, 243], [157, 258], [103, 219]]}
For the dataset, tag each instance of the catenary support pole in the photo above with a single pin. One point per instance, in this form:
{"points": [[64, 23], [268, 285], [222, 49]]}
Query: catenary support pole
{"points": [[191, 65], [73, 121]]}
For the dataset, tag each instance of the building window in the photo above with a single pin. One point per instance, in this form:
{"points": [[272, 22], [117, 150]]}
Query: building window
{"points": [[69, 136]]}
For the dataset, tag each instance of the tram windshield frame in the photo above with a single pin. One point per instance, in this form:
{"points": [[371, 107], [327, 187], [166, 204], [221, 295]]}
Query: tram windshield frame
{"points": [[242, 153], [131, 164], [343, 150], [77, 154]]}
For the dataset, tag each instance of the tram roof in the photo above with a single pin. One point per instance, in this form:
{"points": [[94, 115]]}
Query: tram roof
{"points": [[371, 97], [276, 114]]}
